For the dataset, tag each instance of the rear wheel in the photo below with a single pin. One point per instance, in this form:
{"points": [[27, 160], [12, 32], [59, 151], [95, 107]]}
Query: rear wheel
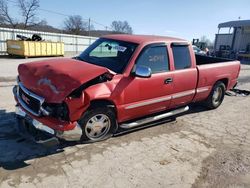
{"points": [[216, 96], [97, 124]]}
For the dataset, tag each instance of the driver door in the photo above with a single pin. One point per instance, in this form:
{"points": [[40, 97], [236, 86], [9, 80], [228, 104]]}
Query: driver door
{"points": [[144, 96]]}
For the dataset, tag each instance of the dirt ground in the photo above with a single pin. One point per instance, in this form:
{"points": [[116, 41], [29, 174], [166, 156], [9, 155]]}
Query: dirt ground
{"points": [[200, 149]]}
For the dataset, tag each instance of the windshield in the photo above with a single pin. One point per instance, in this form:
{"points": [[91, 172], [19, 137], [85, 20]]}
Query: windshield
{"points": [[112, 54]]}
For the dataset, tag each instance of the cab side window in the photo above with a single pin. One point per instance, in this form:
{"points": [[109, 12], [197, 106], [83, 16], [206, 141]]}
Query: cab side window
{"points": [[154, 57], [182, 59]]}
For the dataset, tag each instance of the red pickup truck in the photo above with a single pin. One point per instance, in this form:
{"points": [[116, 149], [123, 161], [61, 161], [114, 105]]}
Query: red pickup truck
{"points": [[118, 82]]}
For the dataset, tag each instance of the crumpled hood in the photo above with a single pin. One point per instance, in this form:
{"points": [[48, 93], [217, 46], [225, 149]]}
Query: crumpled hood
{"points": [[55, 79]]}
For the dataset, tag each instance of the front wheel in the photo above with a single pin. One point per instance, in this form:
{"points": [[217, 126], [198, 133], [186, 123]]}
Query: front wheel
{"points": [[97, 124], [216, 96]]}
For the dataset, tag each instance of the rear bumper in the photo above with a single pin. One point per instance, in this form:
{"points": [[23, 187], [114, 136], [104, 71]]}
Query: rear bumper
{"points": [[69, 135]]}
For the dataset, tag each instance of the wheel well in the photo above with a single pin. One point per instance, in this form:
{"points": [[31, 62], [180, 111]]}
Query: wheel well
{"points": [[225, 81], [103, 102]]}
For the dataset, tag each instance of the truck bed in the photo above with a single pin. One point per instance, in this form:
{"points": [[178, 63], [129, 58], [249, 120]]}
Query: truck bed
{"points": [[203, 60], [211, 69]]}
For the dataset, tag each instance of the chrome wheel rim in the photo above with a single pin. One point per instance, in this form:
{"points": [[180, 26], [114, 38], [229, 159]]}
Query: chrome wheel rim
{"points": [[217, 95], [97, 127]]}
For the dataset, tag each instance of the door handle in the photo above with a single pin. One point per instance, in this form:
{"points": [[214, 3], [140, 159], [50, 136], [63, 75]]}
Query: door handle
{"points": [[168, 80]]}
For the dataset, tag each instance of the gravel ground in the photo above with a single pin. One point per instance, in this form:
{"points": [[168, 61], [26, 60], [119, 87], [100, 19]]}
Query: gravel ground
{"points": [[200, 149]]}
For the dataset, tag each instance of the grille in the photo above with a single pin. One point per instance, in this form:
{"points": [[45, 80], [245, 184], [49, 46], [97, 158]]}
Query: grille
{"points": [[32, 103]]}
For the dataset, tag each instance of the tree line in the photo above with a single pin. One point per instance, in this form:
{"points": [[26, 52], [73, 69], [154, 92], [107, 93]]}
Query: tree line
{"points": [[73, 24]]}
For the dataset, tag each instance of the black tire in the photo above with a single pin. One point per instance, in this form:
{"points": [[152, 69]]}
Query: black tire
{"points": [[85, 120], [214, 99]]}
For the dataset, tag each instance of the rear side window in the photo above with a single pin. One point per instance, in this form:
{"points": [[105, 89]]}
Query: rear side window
{"points": [[182, 59], [154, 57]]}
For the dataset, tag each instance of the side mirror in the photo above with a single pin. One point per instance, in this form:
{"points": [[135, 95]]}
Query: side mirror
{"points": [[142, 71]]}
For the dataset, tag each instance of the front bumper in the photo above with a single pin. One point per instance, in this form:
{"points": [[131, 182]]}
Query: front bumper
{"points": [[69, 135]]}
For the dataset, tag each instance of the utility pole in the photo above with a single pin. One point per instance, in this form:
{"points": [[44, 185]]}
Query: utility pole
{"points": [[89, 26]]}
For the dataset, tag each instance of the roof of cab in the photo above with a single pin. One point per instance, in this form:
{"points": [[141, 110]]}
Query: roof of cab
{"points": [[139, 39]]}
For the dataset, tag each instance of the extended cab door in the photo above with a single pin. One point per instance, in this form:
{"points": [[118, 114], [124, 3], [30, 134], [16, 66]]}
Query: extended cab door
{"points": [[143, 96], [185, 74]]}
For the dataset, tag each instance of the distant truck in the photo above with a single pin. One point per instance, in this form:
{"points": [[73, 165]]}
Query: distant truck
{"points": [[118, 82], [198, 50]]}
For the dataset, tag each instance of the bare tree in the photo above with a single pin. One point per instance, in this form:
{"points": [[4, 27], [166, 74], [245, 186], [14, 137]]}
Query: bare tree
{"points": [[5, 17], [75, 24], [206, 40], [1, 19], [28, 9], [122, 27], [43, 23]]}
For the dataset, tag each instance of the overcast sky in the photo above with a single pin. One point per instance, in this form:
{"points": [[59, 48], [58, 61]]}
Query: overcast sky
{"points": [[186, 19]]}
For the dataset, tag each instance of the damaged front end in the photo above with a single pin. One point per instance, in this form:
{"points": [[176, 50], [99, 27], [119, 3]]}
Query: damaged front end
{"points": [[37, 106], [57, 120], [53, 120], [99, 79]]}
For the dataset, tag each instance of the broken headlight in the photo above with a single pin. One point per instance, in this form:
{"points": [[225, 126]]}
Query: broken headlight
{"points": [[59, 111]]}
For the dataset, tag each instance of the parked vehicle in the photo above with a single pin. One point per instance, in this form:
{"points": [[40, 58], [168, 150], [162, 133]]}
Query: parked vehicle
{"points": [[198, 50], [224, 51], [119, 82]]}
